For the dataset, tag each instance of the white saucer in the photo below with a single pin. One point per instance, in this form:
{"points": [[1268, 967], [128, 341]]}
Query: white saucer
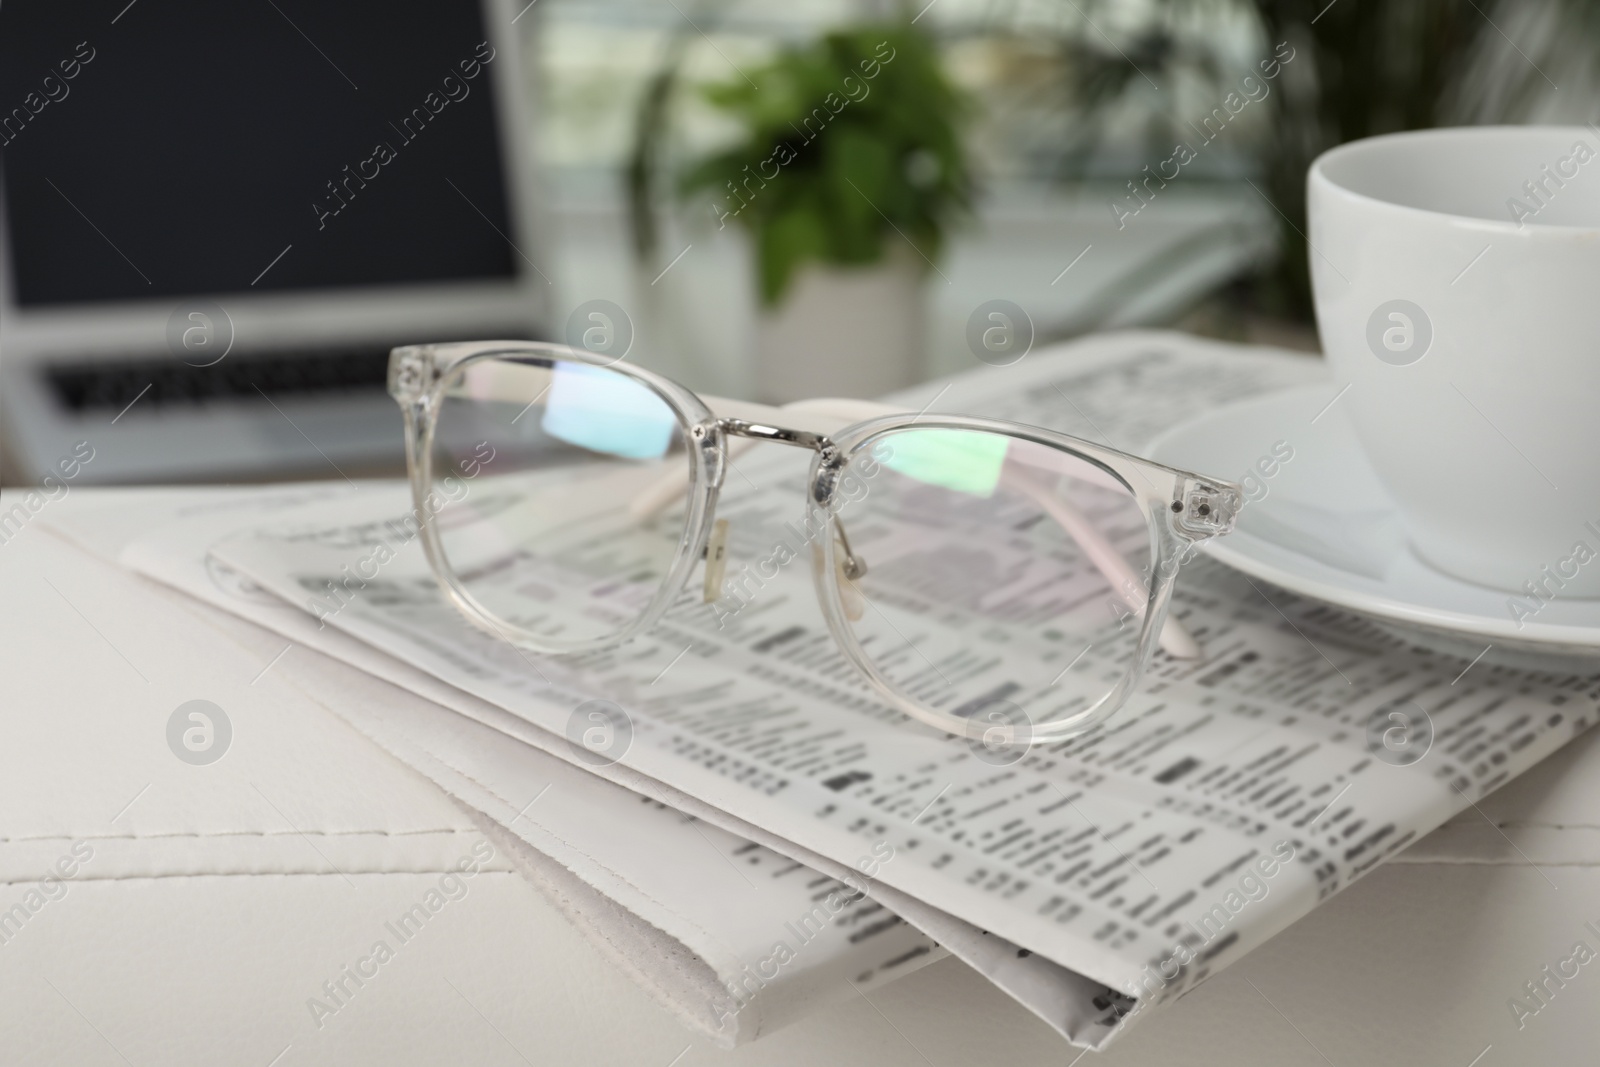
{"points": [[1326, 528]]}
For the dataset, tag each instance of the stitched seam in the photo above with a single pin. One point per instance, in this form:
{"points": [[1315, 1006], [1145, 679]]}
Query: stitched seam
{"points": [[235, 833], [443, 761], [1473, 862], [1551, 825], [247, 874]]}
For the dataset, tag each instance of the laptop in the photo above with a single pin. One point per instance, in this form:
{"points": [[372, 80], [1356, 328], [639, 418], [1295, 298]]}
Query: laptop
{"points": [[218, 219]]}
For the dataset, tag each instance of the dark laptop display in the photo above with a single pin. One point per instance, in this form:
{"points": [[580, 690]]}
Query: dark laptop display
{"points": [[171, 148]]}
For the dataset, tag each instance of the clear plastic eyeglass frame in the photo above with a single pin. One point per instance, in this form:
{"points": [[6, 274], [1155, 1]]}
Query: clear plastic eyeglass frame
{"points": [[1182, 509]]}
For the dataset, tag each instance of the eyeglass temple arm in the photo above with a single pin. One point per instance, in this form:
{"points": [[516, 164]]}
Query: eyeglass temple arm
{"points": [[1113, 565], [828, 414]]}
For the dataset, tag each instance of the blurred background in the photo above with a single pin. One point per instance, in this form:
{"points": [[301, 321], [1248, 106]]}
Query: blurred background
{"points": [[760, 199]]}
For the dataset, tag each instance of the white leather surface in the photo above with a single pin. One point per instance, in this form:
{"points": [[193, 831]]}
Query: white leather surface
{"points": [[85, 709], [1412, 966], [219, 901], [629, 872]]}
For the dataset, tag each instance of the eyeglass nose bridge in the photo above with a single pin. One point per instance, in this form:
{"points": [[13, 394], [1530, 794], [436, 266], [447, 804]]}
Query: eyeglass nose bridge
{"points": [[782, 435], [852, 566], [830, 459]]}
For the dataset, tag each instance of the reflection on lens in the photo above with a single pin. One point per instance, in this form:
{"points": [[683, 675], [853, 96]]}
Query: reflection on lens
{"points": [[535, 464], [997, 576]]}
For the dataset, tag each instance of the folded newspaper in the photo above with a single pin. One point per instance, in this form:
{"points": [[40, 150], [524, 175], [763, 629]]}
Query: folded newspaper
{"points": [[639, 878], [1091, 879]]}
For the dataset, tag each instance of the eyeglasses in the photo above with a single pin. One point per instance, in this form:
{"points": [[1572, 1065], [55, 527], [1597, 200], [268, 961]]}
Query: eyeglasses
{"points": [[992, 579]]}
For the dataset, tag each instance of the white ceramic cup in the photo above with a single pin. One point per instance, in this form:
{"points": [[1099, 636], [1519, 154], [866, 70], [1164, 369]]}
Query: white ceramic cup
{"points": [[1457, 282]]}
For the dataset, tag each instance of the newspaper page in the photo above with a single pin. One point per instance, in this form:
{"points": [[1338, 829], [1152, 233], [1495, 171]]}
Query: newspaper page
{"points": [[685, 908], [1228, 798], [674, 889]]}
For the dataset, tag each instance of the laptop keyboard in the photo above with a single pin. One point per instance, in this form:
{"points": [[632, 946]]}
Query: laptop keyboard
{"points": [[165, 382]]}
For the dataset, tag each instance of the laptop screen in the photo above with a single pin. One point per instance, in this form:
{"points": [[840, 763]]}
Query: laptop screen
{"points": [[167, 148]]}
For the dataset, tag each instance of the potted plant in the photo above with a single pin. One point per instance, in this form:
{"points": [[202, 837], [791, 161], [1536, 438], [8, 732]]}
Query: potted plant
{"points": [[848, 172]]}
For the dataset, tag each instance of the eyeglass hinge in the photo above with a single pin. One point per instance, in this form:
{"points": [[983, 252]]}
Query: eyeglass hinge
{"points": [[1201, 509]]}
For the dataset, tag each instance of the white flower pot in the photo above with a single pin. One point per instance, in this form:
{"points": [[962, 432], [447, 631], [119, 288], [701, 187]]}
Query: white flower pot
{"points": [[854, 332]]}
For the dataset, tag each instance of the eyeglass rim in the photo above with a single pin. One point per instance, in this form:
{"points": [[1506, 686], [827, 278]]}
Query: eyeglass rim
{"points": [[1168, 542], [419, 374], [418, 377]]}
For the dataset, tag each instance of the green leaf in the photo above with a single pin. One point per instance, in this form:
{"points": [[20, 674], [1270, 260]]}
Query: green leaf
{"points": [[832, 130], [784, 243]]}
